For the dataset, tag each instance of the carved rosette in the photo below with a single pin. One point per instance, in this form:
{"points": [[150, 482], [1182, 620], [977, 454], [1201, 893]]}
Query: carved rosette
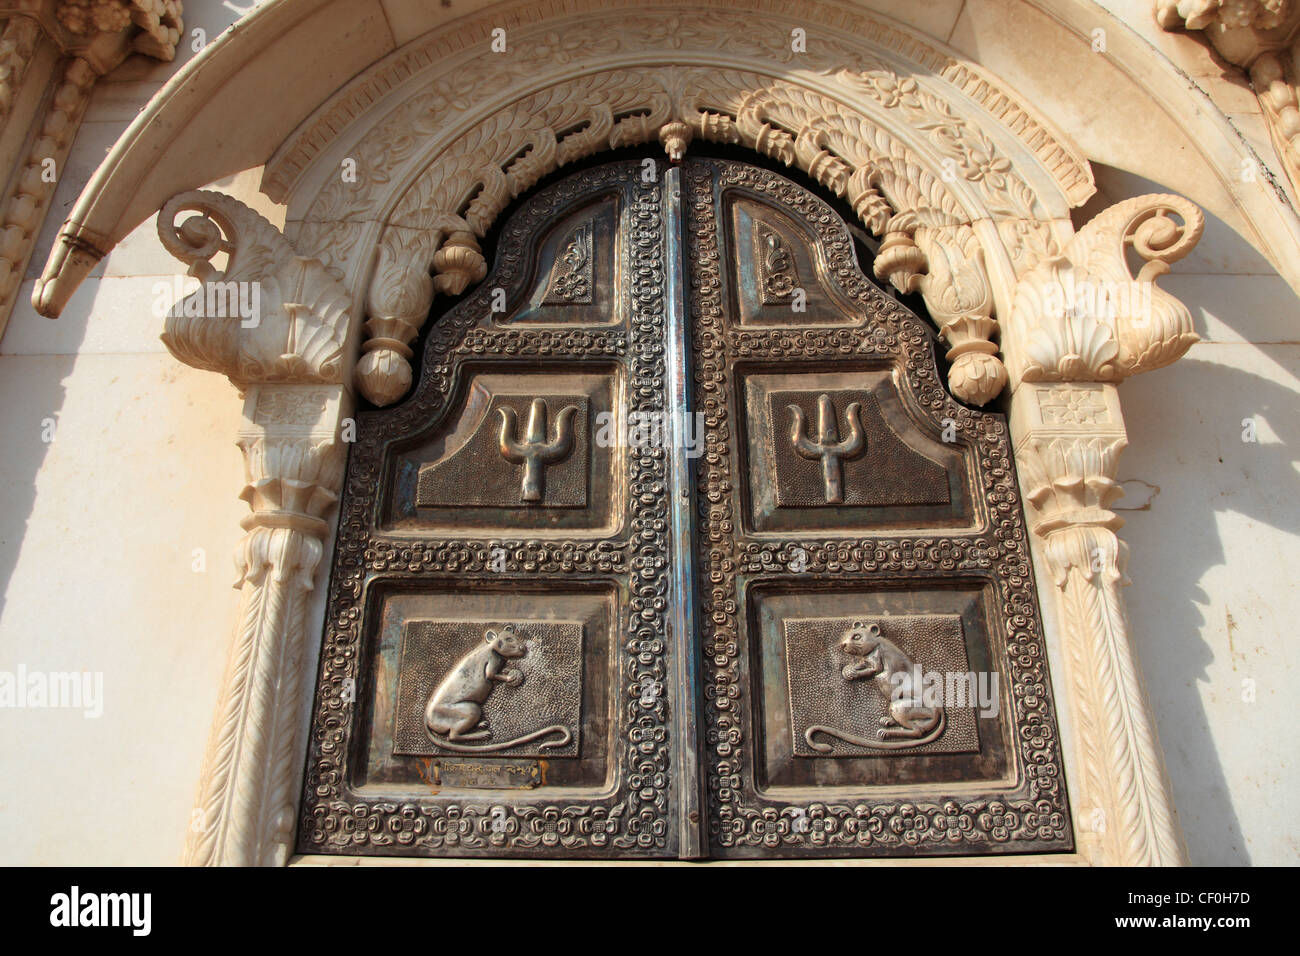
{"points": [[1083, 316], [1068, 441]]}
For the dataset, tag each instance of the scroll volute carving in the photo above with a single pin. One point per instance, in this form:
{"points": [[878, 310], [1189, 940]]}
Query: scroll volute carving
{"points": [[271, 316], [1083, 315]]}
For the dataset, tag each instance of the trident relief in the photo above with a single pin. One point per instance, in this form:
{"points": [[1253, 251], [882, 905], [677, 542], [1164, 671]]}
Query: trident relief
{"points": [[828, 447], [535, 452]]}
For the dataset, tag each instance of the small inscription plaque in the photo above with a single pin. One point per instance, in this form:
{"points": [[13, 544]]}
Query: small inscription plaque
{"points": [[485, 774]]}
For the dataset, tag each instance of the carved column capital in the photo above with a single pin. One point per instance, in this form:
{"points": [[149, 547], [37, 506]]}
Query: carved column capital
{"points": [[292, 457], [275, 323], [1082, 315], [270, 316], [1081, 322]]}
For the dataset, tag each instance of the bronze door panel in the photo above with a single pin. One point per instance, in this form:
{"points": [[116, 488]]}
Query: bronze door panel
{"points": [[557, 714], [833, 447], [776, 268], [498, 663], [575, 280], [874, 675], [520, 453], [557, 628]]}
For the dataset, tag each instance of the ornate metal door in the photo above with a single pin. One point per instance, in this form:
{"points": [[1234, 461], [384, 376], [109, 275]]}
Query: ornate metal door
{"points": [[873, 666], [564, 620]]}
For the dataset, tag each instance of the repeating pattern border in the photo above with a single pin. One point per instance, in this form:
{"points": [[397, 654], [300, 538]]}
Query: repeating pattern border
{"points": [[1031, 815], [635, 820]]}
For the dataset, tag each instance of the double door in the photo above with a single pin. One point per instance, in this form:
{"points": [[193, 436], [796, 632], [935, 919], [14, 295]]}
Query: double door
{"points": [[680, 548]]}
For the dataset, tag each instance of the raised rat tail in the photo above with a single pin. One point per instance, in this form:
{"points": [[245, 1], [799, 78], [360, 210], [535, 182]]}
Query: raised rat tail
{"points": [[564, 739], [825, 748]]}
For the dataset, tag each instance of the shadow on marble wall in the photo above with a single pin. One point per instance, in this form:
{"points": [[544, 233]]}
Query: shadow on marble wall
{"points": [[1184, 448], [1194, 476], [31, 393]]}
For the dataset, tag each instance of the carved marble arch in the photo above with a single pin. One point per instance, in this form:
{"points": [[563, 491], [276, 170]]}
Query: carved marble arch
{"points": [[391, 182]]}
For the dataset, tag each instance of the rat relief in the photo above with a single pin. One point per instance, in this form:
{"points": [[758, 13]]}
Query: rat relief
{"points": [[453, 714]]}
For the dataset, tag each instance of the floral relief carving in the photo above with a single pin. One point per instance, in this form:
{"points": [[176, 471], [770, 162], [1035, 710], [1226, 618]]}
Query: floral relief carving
{"points": [[159, 21], [1072, 405], [761, 32]]}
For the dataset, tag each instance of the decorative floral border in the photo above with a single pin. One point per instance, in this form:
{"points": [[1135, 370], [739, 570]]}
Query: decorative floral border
{"points": [[1032, 814], [634, 821]]}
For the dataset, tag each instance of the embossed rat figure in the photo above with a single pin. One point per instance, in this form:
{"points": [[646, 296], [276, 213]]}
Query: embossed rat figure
{"points": [[909, 724], [455, 708]]}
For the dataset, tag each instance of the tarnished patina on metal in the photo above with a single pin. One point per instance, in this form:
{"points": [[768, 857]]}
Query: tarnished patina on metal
{"points": [[485, 505], [550, 635], [830, 508]]}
